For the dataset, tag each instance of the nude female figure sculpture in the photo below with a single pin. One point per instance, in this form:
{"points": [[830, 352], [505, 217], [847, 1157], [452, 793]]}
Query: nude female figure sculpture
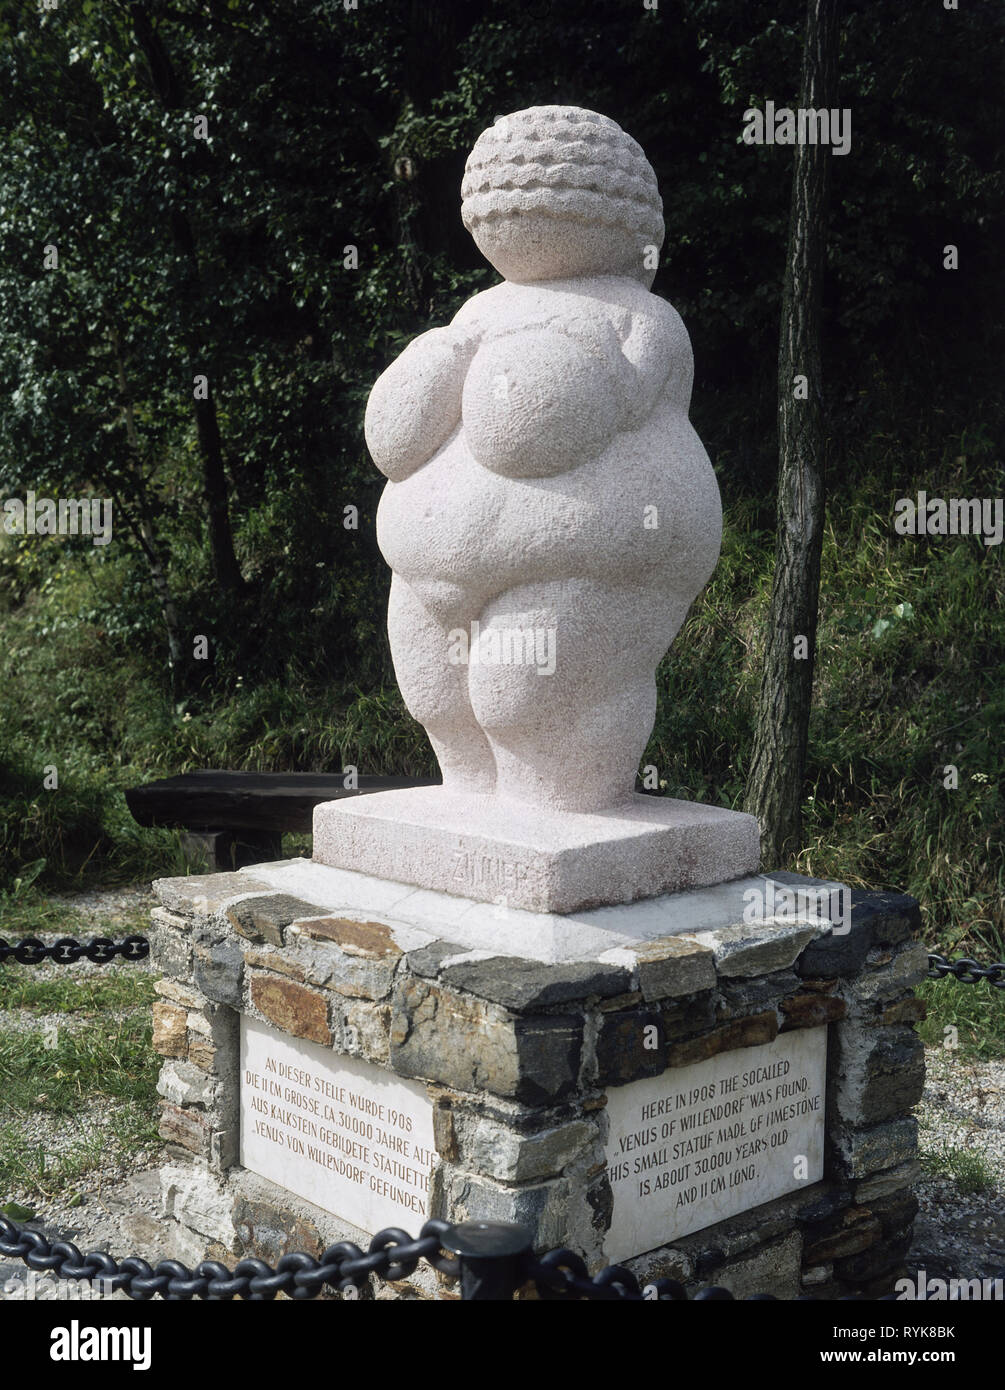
{"points": [[543, 475]]}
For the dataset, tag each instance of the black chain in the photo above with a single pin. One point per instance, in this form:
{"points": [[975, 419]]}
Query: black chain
{"points": [[968, 972], [66, 951], [562, 1274], [393, 1254]]}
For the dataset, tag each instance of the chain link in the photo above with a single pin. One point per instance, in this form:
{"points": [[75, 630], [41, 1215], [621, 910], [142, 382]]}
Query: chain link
{"points": [[393, 1255], [67, 951], [968, 972], [562, 1274]]}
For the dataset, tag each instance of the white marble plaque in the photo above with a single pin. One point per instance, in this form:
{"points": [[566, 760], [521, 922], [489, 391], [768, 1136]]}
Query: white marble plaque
{"points": [[343, 1133], [705, 1142]]}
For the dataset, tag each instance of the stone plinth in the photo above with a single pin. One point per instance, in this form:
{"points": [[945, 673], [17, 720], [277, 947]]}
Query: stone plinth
{"points": [[494, 850], [326, 1066]]}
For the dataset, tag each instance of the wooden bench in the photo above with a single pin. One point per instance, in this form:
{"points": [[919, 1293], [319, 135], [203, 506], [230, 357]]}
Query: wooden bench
{"points": [[229, 819]]}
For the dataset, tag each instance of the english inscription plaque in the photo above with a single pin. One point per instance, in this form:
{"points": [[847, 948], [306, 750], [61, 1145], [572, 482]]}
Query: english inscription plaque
{"points": [[340, 1132], [705, 1142]]}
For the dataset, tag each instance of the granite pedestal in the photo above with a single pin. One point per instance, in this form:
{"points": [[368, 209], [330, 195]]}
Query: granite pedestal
{"points": [[537, 858]]}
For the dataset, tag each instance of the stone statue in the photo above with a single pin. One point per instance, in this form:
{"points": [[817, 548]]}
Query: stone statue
{"points": [[549, 518], [547, 492]]}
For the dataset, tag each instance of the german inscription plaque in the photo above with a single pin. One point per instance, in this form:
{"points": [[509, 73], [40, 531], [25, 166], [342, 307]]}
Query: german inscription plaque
{"points": [[340, 1132]]}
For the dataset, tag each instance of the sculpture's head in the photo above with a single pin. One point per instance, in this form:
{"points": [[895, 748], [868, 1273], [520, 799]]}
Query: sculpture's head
{"points": [[556, 191]]}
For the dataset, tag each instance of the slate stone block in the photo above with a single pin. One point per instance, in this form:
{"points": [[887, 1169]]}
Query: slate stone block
{"points": [[526, 986], [218, 971]]}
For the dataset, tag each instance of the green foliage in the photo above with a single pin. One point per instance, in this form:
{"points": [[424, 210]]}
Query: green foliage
{"points": [[969, 1169], [64, 826], [53, 1073], [19, 889], [329, 129], [21, 988], [975, 1012], [16, 1212], [889, 714]]}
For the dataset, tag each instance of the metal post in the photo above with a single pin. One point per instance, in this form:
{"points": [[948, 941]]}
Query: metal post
{"points": [[491, 1255]]}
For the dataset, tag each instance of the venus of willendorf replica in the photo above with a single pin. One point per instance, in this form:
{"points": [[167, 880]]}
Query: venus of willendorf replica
{"points": [[550, 516]]}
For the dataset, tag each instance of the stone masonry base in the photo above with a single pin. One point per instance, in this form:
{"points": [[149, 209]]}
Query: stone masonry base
{"points": [[517, 1055]]}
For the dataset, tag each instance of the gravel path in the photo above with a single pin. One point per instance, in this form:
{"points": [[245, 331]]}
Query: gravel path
{"points": [[118, 1191], [956, 1235], [109, 904], [963, 1108]]}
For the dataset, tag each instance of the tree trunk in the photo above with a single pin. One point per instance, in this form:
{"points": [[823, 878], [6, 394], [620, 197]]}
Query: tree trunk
{"points": [[226, 570], [143, 529], [778, 766], [143, 533]]}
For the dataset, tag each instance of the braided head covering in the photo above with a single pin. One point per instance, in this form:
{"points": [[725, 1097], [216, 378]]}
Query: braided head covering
{"points": [[557, 191]]}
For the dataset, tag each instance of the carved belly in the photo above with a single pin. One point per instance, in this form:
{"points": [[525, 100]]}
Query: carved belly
{"points": [[645, 511]]}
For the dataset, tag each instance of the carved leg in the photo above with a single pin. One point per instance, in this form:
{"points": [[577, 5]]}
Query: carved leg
{"points": [[571, 739], [436, 692]]}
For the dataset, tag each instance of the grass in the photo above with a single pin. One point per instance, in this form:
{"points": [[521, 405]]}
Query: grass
{"points": [[32, 912], [976, 1012], [103, 1053], [968, 1169], [101, 994], [109, 1057], [33, 1172]]}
